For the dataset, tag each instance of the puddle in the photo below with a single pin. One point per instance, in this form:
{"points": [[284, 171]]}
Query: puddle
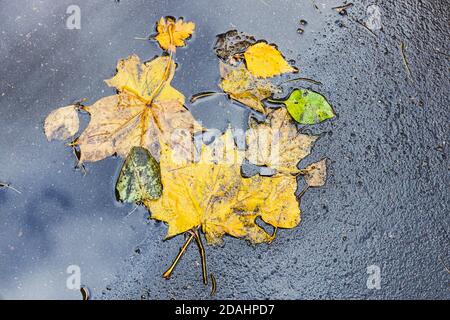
{"points": [[63, 218]]}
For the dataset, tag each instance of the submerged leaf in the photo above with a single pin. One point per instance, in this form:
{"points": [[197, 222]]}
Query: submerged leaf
{"points": [[172, 33], [231, 43], [307, 107], [146, 112], [315, 174], [212, 194], [277, 143], [139, 178], [62, 123], [242, 86], [264, 60]]}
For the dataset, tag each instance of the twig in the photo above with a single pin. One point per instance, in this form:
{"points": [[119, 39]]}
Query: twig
{"points": [[363, 25], [343, 8], [443, 53], [302, 79], [446, 268], [169, 271], [131, 212], [314, 5], [9, 186], [405, 60], [85, 293], [213, 284]]}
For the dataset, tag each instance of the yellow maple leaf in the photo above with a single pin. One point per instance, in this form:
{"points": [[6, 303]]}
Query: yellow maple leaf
{"points": [[212, 194], [264, 60], [242, 86], [147, 111], [172, 33], [277, 143]]}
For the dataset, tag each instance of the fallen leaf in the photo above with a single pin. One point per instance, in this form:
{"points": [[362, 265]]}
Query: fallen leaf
{"points": [[277, 143], [212, 194], [172, 33], [264, 60], [139, 178], [245, 88], [307, 107], [232, 43], [146, 112], [315, 174], [62, 123], [148, 81]]}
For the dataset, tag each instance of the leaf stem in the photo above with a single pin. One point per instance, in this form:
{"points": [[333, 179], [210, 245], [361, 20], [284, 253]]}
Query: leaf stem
{"points": [[8, 186], [274, 101], [169, 271], [201, 249], [202, 95]]}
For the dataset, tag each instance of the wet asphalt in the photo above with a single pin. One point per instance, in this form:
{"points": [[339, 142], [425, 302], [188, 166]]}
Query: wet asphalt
{"points": [[386, 202]]}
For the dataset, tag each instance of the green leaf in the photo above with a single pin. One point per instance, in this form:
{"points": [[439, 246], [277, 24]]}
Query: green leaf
{"points": [[139, 178], [307, 107]]}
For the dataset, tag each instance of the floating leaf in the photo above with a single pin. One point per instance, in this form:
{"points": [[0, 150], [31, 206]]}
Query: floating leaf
{"points": [[231, 43], [315, 174], [172, 33], [307, 107], [264, 60], [242, 86], [277, 143], [139, 178], [212, 194], [62, 123], [146, 112]]}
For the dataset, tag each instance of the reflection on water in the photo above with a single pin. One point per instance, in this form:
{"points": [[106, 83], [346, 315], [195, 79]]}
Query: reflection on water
{"points": [[62, 217]]}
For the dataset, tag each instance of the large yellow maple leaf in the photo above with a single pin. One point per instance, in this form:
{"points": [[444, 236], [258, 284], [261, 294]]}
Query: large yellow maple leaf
{"points": [[146, 112], [212, 194]]}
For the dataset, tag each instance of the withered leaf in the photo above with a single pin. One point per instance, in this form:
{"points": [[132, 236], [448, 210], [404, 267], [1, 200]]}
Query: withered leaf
{"points": [[315, 174], [62, 123], [231, 43], [277, 143], [245, 88], [139, 178]]}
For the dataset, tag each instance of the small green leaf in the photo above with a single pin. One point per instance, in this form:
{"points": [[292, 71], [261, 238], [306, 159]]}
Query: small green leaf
{"points": [[307, 107], [139, 178]]}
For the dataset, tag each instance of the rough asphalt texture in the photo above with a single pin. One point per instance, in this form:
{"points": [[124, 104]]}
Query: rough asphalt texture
{"points": [[386, 202]]}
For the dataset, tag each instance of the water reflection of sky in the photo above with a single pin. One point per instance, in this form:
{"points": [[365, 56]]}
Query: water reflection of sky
{"points": [[61, 216]]}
